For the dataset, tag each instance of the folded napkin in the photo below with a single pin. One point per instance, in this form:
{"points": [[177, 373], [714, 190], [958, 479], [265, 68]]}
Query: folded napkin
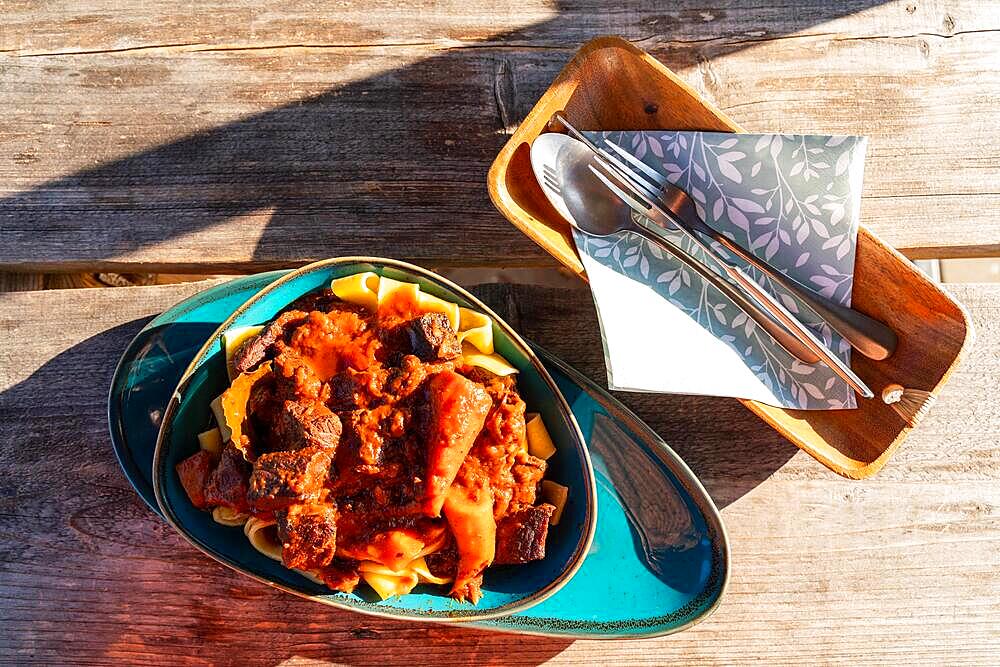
{"points": [[792, 200]]}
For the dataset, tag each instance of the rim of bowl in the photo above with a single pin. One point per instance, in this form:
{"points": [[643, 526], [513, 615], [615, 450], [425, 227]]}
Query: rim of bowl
{"points": [[582, 547]]}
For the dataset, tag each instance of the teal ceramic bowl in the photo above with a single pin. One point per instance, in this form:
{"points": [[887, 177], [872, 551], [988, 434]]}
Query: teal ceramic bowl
{"points": [[506, 589], [660, 559]]}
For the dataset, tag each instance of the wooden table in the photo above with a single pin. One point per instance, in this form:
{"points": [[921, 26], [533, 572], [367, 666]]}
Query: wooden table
{"points": [[225, 136]]}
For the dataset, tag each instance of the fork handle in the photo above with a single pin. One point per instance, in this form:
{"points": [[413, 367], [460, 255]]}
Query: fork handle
{"points": [[869, 336], [780, 334]]}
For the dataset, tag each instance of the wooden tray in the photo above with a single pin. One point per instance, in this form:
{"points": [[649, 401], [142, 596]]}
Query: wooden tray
{"points": [[612, 85]]}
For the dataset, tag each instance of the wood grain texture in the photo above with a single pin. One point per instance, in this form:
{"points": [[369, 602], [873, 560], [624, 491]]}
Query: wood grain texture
{"points": [[900, 568], [228, 136], [21, 282]]}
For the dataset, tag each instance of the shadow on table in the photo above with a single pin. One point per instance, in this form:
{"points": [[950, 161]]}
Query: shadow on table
{"points": [[145, 590], [378, 159], [738, 456]]}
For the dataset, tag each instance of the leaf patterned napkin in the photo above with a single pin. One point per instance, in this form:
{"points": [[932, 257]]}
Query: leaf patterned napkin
{"points": [[793, 200]]}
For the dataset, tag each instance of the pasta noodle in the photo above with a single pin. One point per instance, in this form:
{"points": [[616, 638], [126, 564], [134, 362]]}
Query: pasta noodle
{"points": [[229, 517], [263, 536], [555, 495], [493, 363], [389, 288], [396, 548], [388, 582], [211, 441], [539, 442], [419, 566], [220, 419], [388, 585], [360, 288], [476, 329]]}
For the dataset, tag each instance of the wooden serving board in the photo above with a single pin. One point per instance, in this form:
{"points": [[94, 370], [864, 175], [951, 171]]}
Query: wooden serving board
{"points": [[612, 85]]}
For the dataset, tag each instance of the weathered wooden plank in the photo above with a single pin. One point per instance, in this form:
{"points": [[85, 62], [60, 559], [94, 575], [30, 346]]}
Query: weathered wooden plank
{"points": [[38, 27], [900, 568], [236, 137]]}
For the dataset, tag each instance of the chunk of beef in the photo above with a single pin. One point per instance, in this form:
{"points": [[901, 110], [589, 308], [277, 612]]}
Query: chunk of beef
{"points": [[341, 575], [263, 401], [194, 472], [295, 378], [369, 431], [323, 300], [257, 348], [443, 563], [432, 338], [527, 472], [353, 389], [281, 479], [308, 535], [402, 380], [303, 425], [521, 535], [227, 485]]}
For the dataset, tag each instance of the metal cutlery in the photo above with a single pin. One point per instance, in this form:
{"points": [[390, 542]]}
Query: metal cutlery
{"points": [[592, 210], [621, 180], [872, 338]]}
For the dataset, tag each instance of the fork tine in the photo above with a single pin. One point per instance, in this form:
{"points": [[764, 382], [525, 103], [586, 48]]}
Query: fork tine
{"points": [[636, 189], [651, 188], [612, 164], [639, 164], [550, 174], [633, 203], [649, 207]]}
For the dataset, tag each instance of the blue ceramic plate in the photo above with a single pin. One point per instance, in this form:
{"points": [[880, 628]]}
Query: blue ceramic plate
{"points": [[659, 561], [505, 590]]}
